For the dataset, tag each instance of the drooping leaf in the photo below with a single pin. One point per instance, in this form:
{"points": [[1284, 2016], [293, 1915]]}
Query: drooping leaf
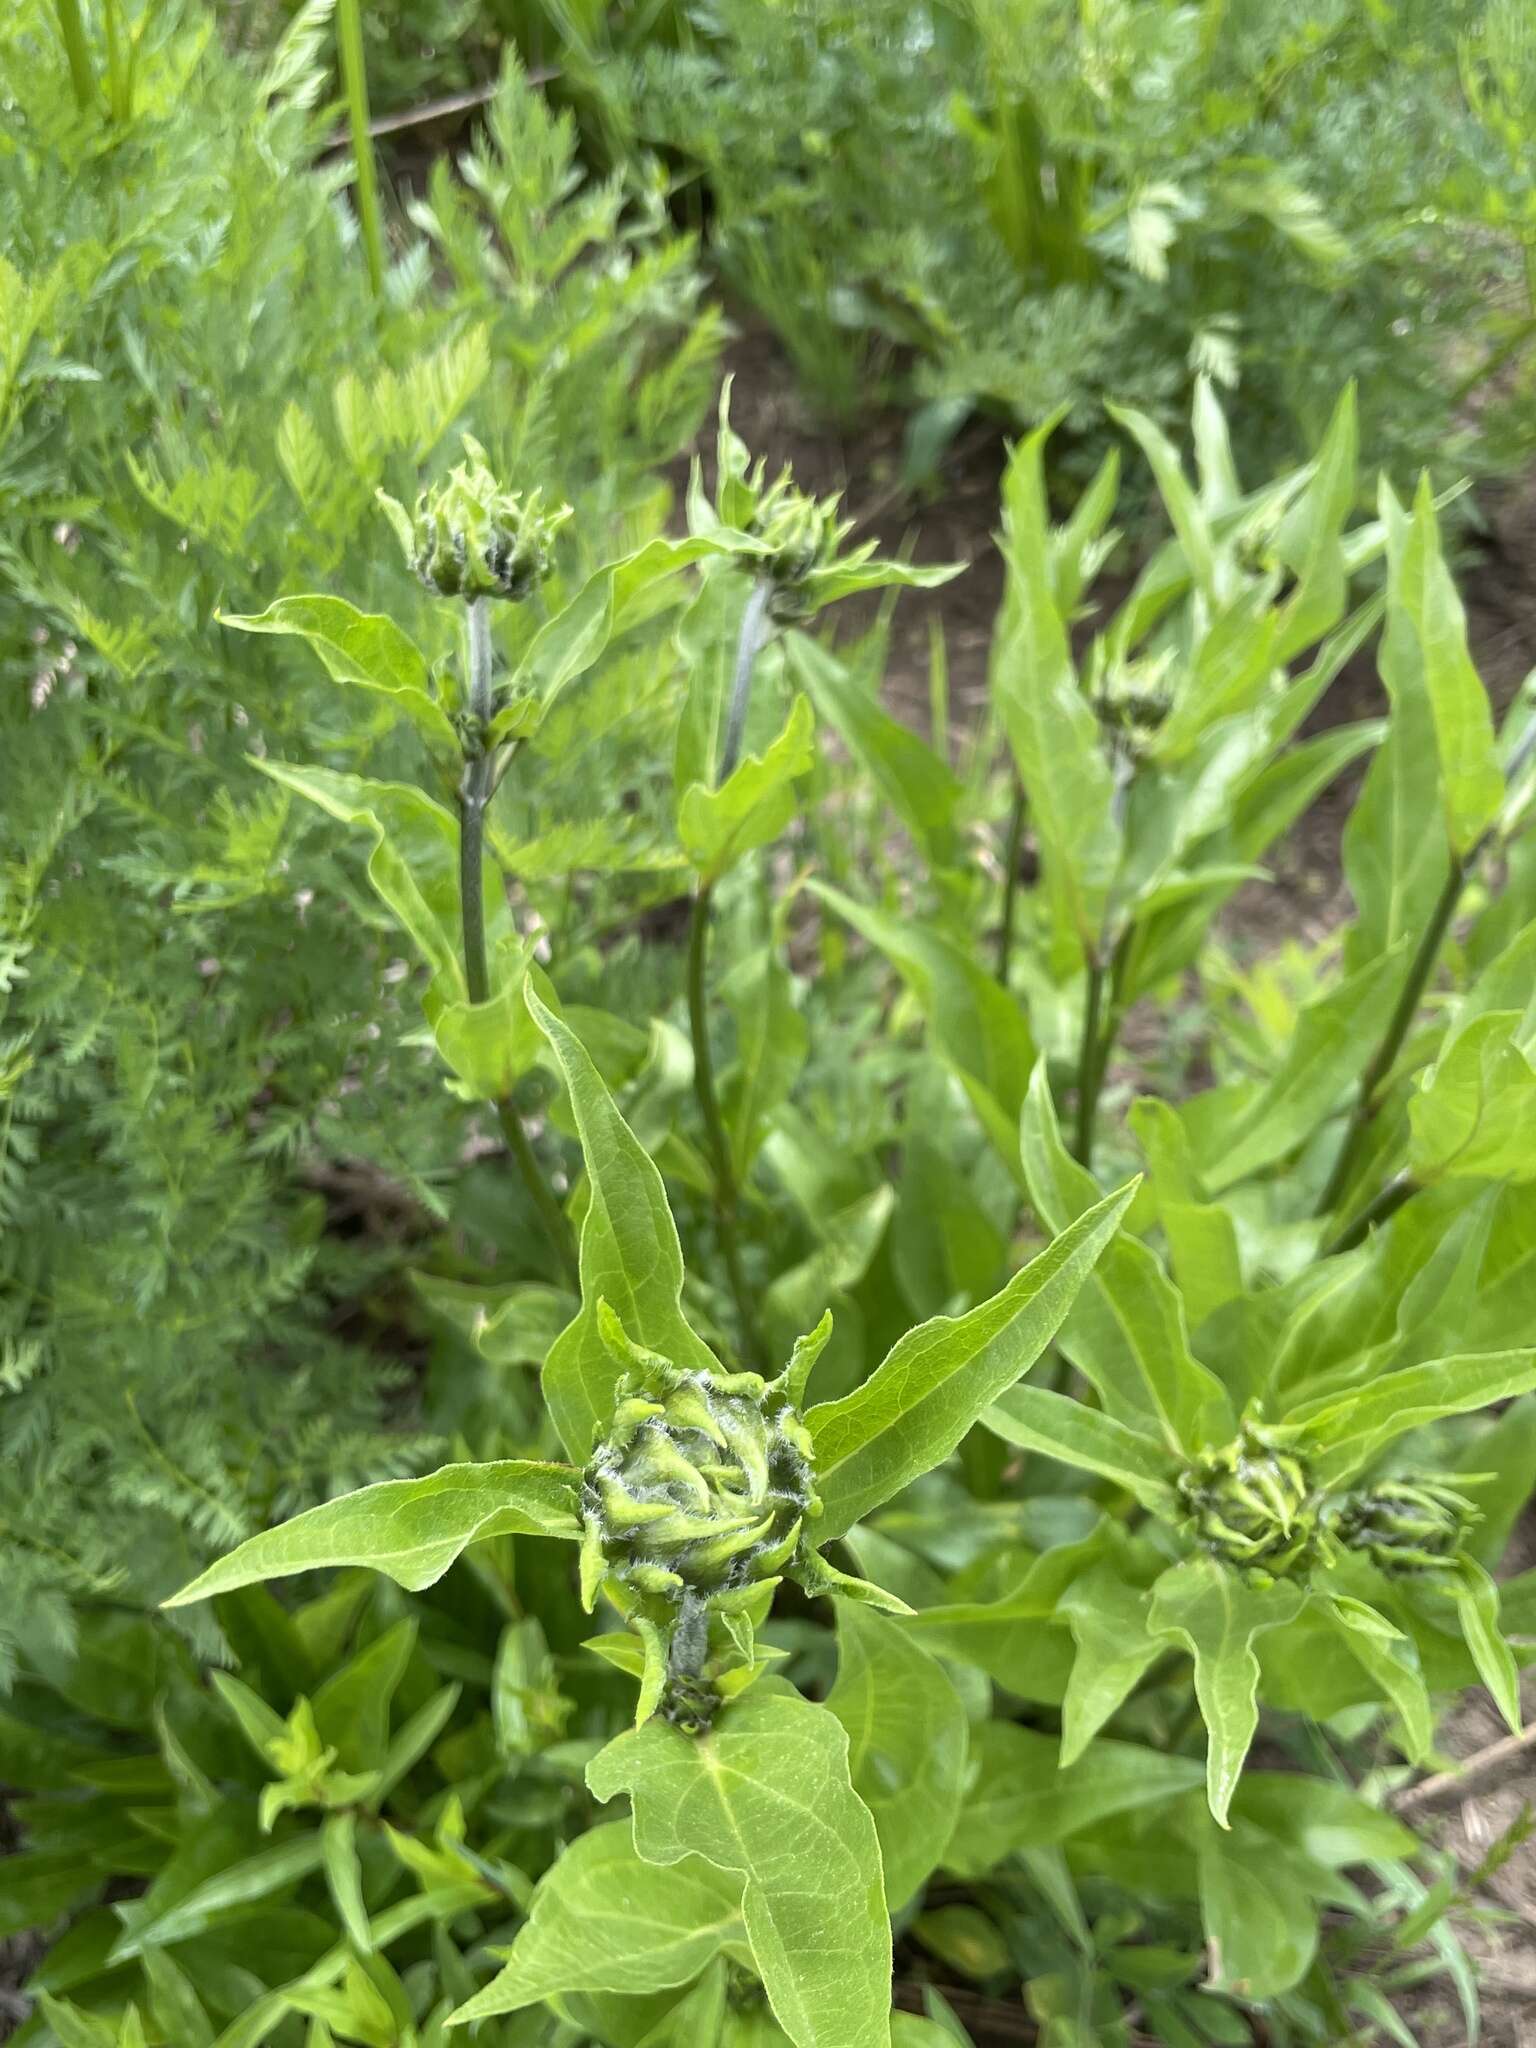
{"points": [[765, 1794], [604, 1920], [937, 1380], [907, 1736], [630, 1255], [1216, 1614], [409, 1529], [366, 648]]}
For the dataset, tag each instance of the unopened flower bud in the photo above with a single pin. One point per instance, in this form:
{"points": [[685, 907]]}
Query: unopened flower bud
{"points": [[1251, 1503], [1406, 1526], [469, 538]]}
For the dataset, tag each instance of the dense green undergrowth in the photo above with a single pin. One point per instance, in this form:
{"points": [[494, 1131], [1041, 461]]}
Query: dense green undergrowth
{"points": [[881, 1520]]}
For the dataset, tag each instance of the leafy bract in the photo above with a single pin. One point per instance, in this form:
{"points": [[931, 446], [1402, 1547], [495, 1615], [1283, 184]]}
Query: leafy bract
{"points": [[937, 1380], [765, 1795], [409, 1529], [630, 1255]]}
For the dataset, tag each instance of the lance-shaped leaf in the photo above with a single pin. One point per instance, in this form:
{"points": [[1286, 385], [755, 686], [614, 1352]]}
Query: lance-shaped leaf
{"points": [[765, 1794], [604, 1920], [1128, 1332], [1049, 722], [630, 1256], [409, 1529], [977, 1028], [937, 1380], [1115, 1648], [1474, 1114], [1185, 512], [1310, 539], [1055, 1426], [1477, 1605], [907, 1737], [718, 826], [1202, 1237], [1421, 586], [1216, 1614], [1391, 1661], [365, 648], [1344, 1432]]}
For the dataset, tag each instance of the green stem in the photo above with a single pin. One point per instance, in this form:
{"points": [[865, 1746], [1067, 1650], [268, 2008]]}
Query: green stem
{"points": [[1087, 1064], [1011, 852], [354, 80], [714, 1127], [474, 799], [77, 51], [1383, 1059], [1387, 1203]]}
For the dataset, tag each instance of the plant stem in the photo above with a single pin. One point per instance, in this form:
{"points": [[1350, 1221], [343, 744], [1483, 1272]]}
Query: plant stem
{"points": [[1387, 1203], [755, 626], [474, 798], [1011, 852], [714, 1126], [1382, 1060], [77, 51], [1087, 1064], [354, 80]]}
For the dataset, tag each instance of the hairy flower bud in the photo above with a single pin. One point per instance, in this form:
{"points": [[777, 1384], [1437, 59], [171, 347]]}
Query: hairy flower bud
{"points": [[469, 538], [801, 535], [1406, 1526], [699, 1486], [1251, 1503]]}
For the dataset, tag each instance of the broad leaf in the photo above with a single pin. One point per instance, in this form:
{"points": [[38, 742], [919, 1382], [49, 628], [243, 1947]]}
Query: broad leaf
{"points": [[365, 648], [718, 826], [1260, 1924], [630, 1255], [1474, 1113], [1056, 1426], [907, 1737], [1115, 1649], [1216, 1614], [765, 1794], [938, 1379], [604, 1920], [409, 1529]]}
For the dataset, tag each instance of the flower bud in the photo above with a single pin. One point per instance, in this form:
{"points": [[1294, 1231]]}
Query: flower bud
{"points": [[800, 535], [1251, 1503], [469, 538], [1406, 1526], [700, 1484]]}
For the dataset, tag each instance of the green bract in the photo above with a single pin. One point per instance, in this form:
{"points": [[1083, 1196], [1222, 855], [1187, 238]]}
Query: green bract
{"points": [[1252, 1504], [1406, 1526], [470, 538]]}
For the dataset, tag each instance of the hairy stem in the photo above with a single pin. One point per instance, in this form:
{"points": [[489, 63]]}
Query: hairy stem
{"points": [[475, 793], [76, 51], [717, 1137], [1011, 852], [755, 627], [1382, 1060], [354, 79]]}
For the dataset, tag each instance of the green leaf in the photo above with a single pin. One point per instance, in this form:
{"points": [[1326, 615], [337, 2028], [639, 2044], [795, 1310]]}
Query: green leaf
{"points": [[365, 648], [243, 1883], [1477, 1605], [1184, 511], [352, 1707], [1473, 1115], [1310, 539], [1020, 1796], [409, 1529], [718, 826], [938, 1379], [1391, 1661], [630, 1255], [1056, 1426], [772, 1040], [1216, 1614], [907, 1736], [977, 1028], [1050, 726], [919, 787], [765, 1794], [1202, 1237], [1346, 1431], [1115, 1650], [1261, 1926], [1334, 1037], [850, 579], [344, 1877], [1128, 1334], [603, 1920], [1420, 585], [174, 2004]]}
